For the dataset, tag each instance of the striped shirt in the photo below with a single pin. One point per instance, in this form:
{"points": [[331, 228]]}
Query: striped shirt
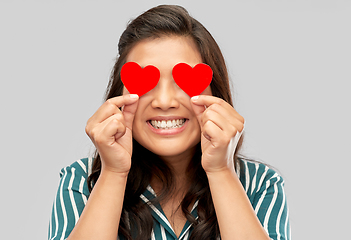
{"points": [[264, 188]]}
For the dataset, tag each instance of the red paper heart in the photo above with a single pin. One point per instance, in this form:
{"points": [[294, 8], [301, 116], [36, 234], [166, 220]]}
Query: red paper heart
{"points": [[139, 80], [193, 81]]}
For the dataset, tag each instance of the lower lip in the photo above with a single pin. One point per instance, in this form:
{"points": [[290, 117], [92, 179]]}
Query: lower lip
{"points": [[170, 131]]}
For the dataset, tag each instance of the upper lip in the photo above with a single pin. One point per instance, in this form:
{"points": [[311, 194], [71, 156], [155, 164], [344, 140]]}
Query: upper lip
{"points": [[165, 118]]}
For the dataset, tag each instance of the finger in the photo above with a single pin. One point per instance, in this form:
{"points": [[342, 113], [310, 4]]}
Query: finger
{"points": [[111, 106], [106, 131], [207, 101], [214, 134], [129, 112], [116, 129], [229, 114], [198, 110], [229, 125]]}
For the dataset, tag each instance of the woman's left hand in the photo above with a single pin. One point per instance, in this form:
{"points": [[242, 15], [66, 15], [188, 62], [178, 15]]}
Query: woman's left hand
{"points": [[221, 128]]}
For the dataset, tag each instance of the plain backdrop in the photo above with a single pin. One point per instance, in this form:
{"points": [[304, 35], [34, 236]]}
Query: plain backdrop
{"points": [[289, 63]]}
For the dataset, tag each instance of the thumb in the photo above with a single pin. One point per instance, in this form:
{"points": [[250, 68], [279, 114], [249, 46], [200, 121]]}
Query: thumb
{"points": [[198, 110], [129, 110]]}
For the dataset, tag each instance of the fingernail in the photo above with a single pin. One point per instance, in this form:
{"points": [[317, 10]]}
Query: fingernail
{"points": [[194, 98], [134, 96]]}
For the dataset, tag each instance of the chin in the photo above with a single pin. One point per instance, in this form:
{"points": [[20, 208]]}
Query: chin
{"points": [[169, 150]]}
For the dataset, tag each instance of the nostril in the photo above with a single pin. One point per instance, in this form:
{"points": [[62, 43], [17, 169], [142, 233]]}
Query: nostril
{"points": [[165, 101]]}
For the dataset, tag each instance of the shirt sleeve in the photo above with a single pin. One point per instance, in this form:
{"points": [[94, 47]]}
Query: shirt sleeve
{"points": [[70, 200], [265, 189]]}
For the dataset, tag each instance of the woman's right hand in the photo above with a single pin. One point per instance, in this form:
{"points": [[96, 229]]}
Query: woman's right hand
{"points": [[110, 129]]}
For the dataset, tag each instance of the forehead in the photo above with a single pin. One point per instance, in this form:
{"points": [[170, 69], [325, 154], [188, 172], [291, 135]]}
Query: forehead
{"points": [[165, 52]]}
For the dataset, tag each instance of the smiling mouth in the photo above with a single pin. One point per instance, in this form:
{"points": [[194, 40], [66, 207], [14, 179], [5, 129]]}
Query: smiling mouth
{"points": [[167, 124]]}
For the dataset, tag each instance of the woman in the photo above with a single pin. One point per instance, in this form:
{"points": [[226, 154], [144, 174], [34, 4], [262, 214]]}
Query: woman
{"points": [[167, 165]]}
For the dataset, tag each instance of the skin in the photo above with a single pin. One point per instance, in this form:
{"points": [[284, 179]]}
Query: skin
{"points": [[209, 120], [166, 99]]}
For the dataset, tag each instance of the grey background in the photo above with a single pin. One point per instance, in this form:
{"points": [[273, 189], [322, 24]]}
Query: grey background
{"points": [[290, 66]]}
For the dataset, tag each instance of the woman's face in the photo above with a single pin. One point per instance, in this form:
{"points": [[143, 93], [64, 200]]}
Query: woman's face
{"points": [[164, 122]]}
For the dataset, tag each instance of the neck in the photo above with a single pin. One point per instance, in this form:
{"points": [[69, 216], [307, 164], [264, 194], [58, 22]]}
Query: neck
{"points": [[178, 165]]}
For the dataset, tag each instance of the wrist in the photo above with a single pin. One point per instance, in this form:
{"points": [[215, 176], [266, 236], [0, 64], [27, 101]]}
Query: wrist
{"points": [[111, 173], [226, 171], [225, 168]]}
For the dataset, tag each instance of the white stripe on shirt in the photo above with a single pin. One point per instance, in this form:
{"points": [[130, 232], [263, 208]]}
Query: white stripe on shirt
{"points": [[286, 224], [156, 211], [186, 237], [257, 208], [73, 202], [247, 177], [279, 216], [56, 220], [262, 178], [82, 165], [63, 207], [163, 233], [153, 235], [254, 179], [274, 199], [149, 188], [90, 163], [238, 169], [81, 184], [50, 226]]}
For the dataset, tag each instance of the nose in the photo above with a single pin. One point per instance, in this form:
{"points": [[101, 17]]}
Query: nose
{"points": [[165, 94]]}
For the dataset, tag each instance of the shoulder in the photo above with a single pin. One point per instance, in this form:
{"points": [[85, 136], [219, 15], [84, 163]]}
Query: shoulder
{"points": [[80, 167], [73, 178], [257, 177], [264, 187]]}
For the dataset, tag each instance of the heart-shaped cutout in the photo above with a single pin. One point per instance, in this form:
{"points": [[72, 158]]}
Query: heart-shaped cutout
{"points": [[193, 81], [139, 80]]}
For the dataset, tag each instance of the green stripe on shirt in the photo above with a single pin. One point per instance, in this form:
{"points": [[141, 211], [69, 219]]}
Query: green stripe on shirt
{"points": [[264, 188]]}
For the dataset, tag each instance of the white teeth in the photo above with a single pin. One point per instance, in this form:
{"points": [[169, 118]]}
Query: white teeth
{"points": [[163, 124], [167, 124]]}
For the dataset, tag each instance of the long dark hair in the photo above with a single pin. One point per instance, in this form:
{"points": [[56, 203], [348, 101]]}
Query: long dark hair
{"points": [[136, 219]]}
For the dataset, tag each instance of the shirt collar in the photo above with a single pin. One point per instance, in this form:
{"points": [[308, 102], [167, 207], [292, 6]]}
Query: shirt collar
{"points": [[160, 216]]}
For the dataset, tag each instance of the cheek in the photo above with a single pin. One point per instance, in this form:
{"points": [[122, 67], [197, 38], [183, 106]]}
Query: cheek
{"points": [[137, 130], [207, 91], [125, 91], [139, 121]]}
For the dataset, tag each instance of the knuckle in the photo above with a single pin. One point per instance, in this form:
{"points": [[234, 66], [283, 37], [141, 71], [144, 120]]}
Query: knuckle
{"points": [[122, 129], [207, 125], [241, 119], [119, 117], [109, 102], [98, 140], [234, 130], [118, 124], [87, 130], [89, 121], [207, 113], [92, 133], [225, 140], [214, 106], [241, 128], [220, 101]]}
